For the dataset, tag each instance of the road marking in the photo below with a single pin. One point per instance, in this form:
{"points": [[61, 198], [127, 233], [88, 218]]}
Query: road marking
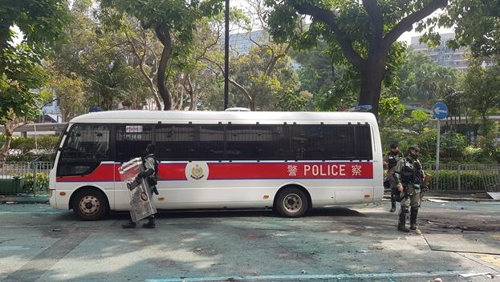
{"points": [[317, 276]]}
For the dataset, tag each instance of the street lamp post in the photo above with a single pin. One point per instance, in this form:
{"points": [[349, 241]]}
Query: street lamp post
{"points": [[226, 56]]}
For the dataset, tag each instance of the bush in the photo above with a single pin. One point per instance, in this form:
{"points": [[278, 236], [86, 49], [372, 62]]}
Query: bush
{"points": [[42, 183], [42, 149], [29, 157], [452, 147]]}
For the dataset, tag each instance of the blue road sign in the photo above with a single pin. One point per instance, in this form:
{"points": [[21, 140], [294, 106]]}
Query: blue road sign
{"points": [[440, 110]]}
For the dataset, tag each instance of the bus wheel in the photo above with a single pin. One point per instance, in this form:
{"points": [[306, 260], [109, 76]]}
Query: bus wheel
{"points": [[291, 202], [90, 204]]}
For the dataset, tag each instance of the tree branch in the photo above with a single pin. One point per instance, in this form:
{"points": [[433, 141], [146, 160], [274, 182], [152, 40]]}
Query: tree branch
{"points": [[406, 24], [328, 18]]}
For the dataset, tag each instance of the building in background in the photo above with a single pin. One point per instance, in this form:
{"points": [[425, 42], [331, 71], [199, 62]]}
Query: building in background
{"points": [[443, 55]]}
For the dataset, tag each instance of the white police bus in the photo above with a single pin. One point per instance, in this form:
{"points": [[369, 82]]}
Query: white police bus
{"points": [[288, 161]]}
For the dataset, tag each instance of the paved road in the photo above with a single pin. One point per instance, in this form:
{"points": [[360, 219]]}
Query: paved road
{"points": [[461, 242]]}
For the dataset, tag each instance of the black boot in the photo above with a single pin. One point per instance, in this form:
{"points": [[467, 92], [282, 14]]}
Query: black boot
{"points": [[129, 224], [402, 220], [151, 222], [413, 218], [393, 206]]}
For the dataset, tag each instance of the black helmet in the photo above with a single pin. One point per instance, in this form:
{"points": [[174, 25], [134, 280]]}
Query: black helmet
{"points": [[150, 149]]}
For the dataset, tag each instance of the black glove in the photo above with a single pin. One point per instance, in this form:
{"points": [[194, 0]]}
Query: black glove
{"points": [[155, 190], [141, 175]]}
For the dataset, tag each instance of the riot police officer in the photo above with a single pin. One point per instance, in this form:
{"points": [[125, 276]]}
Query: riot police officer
{"points": [[390, 161], [150, 171], [409, 175]]}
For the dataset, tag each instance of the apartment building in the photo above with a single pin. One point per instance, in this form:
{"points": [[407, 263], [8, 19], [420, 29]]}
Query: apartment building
{"points": [[443, 55]]}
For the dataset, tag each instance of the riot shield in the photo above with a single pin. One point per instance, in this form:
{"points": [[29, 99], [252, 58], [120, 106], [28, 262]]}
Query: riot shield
{"points": [[141, 201]]}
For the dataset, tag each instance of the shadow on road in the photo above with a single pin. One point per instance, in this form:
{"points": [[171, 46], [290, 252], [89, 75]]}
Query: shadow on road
{"points": [[335, 211]]}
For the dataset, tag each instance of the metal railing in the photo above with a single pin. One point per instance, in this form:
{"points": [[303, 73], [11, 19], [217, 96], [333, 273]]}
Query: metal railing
{"points": [[464, 178], [24, 177], [453, 178], [21, 169]]}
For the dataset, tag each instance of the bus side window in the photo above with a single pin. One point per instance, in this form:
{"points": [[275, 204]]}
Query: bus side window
{"points": [[364, 142], [209, 144], [255, 142], [343, 144], [131, 140], [174, 142]]}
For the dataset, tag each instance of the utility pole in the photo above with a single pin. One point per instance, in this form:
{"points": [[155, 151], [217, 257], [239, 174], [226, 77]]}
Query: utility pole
{"points": [[226, 56]]}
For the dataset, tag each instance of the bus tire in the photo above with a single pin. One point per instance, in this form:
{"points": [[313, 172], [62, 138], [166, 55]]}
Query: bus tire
{"points": [[292, 202], [90, 204]]}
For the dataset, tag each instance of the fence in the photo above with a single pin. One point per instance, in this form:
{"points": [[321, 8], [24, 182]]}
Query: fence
{"points": [[464, 178], [23, 177], [453, 178]]}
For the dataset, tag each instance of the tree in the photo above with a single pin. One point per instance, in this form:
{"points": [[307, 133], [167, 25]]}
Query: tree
{"points": [[40, 22], [482, 88], [69, 90], [173, 22], [100, 62], [365, 32], [423, 81], [18, 101], [333, 84], [262, 72]]}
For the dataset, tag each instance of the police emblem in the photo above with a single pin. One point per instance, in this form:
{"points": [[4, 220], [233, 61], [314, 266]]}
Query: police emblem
{"points": [[197, 172]]}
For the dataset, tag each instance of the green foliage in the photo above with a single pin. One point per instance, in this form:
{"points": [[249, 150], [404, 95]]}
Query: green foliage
{"points": [[333, 84], [41, 149], [417, 121], [475, 24], [22, 72], [390, 112], [35, 185], [452, 147], [42, 143], [423, 81], [482, 88], [290, 101], [41, 22]]}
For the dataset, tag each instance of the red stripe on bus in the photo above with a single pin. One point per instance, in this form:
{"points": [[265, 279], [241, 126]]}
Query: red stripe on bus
{"points": [[219, 171], [172, 171], [290, 170], [103, 173]]}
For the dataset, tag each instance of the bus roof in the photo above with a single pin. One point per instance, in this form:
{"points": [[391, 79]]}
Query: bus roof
{"points": [[214, 117]]}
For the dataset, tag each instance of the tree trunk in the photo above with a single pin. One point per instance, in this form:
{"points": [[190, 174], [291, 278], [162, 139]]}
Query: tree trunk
{"points": [[371, 82], [163, 34], [6, 145], [9, 127]]}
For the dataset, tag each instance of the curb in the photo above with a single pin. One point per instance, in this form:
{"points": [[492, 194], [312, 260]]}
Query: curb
{"points": [[24, 199]]}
